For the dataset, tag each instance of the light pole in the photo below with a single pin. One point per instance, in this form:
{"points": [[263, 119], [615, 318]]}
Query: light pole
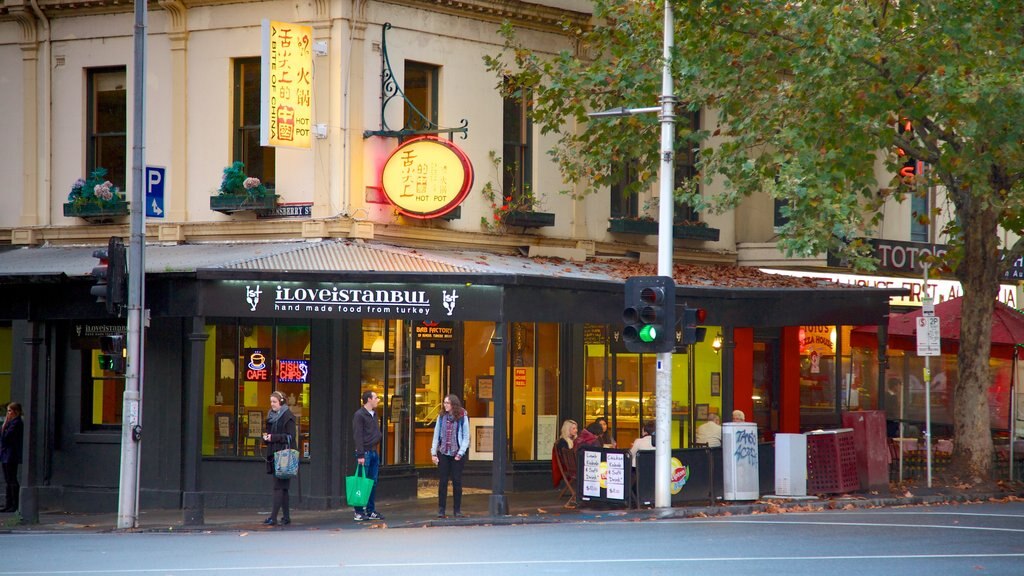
{"points": [[666, 206]]}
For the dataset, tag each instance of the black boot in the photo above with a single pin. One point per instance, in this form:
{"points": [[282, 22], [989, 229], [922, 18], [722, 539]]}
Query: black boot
{"points": [[286, 516]]}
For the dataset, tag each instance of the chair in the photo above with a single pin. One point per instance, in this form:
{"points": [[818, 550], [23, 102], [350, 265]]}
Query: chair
{"points": [[566, 460]]}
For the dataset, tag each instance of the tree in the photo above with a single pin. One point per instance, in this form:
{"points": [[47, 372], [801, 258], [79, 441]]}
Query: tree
{"points": [[810, 97]]}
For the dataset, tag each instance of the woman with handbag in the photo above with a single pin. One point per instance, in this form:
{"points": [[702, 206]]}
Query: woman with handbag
{"points": [[279, 434], [448, 451], [11, 437]]}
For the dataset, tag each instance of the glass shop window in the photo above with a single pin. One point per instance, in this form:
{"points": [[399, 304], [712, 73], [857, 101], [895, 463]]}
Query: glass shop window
{"points": [[244, 364]]}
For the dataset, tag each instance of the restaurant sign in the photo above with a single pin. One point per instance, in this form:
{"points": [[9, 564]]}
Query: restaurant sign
{"points": [[427, 177], [264, 298], [909, 257]]}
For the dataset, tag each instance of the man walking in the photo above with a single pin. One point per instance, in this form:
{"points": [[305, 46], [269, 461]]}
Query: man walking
{"points": [[366, 435]]}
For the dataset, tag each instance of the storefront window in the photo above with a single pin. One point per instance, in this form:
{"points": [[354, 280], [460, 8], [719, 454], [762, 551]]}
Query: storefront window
{"points": [[817, 369], [244, 364], [104, 394], [385, 370]]}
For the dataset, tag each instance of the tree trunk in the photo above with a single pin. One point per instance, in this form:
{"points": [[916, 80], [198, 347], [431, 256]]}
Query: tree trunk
{"points": [[979, 276]]}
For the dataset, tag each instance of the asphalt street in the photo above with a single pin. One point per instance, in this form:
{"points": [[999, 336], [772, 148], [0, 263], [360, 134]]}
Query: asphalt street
{"points": [[985, 538]]}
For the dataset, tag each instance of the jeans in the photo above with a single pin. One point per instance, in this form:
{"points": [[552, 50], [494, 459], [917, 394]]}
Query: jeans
{"points": [[371, 461], [449, 468]]}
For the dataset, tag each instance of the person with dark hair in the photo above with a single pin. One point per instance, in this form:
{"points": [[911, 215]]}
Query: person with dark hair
{"points": [[366, 435], [448, 451], [599, 428], [279, 434], [11, 437], [644, 442]]}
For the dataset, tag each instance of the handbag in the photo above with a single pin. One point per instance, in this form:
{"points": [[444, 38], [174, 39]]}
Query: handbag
{"points": [[358, 488], [286, 462]]}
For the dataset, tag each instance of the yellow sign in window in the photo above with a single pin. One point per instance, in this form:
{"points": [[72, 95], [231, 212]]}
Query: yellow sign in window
{"points": [[287, 85]]}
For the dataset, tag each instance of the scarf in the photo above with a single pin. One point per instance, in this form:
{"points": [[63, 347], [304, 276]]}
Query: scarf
{"points": [[273, 417], [449, 444]]}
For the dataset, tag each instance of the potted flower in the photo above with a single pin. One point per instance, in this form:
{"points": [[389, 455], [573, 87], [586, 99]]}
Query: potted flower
{"points": [[239, 192], [512, 209], [687, 230], [95, 199]]}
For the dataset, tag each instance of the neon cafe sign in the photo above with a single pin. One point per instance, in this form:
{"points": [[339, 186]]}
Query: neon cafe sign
{"points": [[427, 177]]}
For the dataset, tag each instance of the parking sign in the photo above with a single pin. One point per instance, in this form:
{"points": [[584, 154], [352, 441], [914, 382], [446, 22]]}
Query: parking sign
{"points": [[155, 178]]}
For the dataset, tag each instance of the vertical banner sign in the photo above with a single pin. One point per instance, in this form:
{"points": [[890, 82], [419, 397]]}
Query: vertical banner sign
{"points": [[286, 85]]}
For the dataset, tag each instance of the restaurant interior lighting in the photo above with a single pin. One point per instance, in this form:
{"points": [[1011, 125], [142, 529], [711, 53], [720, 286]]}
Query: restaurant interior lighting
{"points": [[716, 344]]}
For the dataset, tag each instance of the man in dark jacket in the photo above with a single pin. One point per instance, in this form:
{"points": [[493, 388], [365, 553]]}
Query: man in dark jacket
{"points": [[11, 438], [366, 435]]}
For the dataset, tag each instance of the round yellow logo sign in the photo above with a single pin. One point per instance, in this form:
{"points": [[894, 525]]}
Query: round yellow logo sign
{"points": [[427, 177]]}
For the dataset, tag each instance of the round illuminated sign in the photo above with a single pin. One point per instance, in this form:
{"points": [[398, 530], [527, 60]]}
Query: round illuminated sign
{"points": [[427, 177]]}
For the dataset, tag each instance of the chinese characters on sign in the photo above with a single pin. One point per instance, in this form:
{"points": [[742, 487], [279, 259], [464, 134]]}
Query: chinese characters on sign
{"points": [[427, 177], [287, 84]]}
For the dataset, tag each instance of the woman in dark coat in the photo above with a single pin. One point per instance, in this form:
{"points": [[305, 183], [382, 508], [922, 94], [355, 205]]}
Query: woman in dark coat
{"points": [[279, 434], [11, 436]]}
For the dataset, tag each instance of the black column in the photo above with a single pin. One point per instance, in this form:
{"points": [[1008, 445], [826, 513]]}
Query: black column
{"points": [[728, 374], [498, 501], [34, 414], [192, 454]]}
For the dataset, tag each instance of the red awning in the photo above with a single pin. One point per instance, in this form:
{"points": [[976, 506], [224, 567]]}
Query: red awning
{"points": [[1007, 330]]}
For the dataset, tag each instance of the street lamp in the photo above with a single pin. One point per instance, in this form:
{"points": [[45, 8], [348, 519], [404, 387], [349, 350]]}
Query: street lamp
{"points": [[666, 175]]}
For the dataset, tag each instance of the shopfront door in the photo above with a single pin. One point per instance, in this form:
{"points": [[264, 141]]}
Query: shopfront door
{"points": [[432, 378]]}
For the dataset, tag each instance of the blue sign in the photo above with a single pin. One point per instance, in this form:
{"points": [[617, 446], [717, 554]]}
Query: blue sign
{"points": [[155, 178]]}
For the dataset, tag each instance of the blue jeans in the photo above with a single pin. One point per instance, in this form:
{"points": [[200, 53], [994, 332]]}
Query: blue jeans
{"points": [[371, 461]]}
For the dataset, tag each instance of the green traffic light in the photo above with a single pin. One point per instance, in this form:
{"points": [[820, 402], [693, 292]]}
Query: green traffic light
{"points": [[106, 362], [648, 333]]}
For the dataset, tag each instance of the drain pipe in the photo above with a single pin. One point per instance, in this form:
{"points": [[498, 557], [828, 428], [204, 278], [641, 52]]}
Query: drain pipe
{"points": [[44, 200]]}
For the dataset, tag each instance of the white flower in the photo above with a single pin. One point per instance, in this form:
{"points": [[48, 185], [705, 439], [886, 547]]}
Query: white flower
{"points": [[251, 183], [104, 191]]}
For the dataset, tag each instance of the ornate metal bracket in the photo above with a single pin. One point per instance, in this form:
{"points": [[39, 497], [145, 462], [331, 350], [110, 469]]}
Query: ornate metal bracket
{"points": [[390, 90]]}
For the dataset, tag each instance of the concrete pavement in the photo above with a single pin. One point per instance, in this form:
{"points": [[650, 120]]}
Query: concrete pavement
{"points": [[524, 508]]}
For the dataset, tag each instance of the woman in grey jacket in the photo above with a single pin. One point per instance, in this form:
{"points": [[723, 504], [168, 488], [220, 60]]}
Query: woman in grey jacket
{"points": [[448, 451]]}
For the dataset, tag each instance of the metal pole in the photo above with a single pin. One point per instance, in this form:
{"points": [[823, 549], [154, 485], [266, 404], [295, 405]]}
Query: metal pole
{"points": [[131, 424], [928, 395], [666, 204], [498, 503]]}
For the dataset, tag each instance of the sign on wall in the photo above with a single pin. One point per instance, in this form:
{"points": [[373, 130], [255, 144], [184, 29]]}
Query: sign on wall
{"points": [[427, 177], [286, 113]]}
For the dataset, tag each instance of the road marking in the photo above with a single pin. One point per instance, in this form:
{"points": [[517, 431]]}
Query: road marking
{"points": [[215, 570], [871, 524], [520, 562]]}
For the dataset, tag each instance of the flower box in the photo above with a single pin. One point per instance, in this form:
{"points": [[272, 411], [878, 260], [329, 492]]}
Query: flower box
{"points": [[96, 211], [455, 214], [526, 219], [689, 232], [230, 203], [633, 226]]}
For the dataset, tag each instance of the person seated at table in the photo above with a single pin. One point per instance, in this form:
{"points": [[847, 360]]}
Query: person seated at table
{"points": [[710, 432], [738, 416], [599, 428], [586, 437], [570, 429], [644, 442]]}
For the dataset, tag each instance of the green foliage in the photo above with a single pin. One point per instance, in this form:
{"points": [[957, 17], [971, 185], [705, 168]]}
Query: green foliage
{"points": [[235, 182], [807, 97], [95, 190]]}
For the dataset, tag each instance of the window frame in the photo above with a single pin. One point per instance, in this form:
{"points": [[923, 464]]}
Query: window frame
{"points": [[517, 145], [421, 116], [260, 161], [94, 138]]}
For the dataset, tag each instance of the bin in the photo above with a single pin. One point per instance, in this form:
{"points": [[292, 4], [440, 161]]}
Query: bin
{"points": [[871, 446], [790, 465], [739, 461], [831, 462]]}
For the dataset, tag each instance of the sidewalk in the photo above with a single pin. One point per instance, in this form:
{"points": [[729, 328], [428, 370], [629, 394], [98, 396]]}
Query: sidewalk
{"points": [[524, 508]]}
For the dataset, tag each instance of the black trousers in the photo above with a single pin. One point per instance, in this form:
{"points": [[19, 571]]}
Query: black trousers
{"points": [[448, 468], [13, 489], [281, 486]]}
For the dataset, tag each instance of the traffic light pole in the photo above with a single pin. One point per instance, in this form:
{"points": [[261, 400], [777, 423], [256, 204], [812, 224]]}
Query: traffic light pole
{"points": [[131, 423], [666, 204]]}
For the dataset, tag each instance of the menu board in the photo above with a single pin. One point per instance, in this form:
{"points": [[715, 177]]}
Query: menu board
{"points": [[604, 474]]}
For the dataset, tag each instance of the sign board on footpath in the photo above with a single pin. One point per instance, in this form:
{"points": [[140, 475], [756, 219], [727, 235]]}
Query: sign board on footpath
{"points": [[928, 336]]}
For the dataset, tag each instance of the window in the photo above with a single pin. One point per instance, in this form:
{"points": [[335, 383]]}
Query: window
{"points": [[103, 394], [686, 164], [6, 364], [420, 96], [624, 204], [258, 160], [107, 122], [386, 353], [517, 145], [244, 364], [919, 217], [779, 218]]}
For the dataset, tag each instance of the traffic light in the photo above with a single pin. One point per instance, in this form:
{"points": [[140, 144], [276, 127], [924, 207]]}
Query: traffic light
{"points": [[113, 354], [111, 276], [693, 332], [649, 314]]}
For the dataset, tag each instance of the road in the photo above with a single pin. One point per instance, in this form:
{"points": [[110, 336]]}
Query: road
{"points": [[985, 538]]}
